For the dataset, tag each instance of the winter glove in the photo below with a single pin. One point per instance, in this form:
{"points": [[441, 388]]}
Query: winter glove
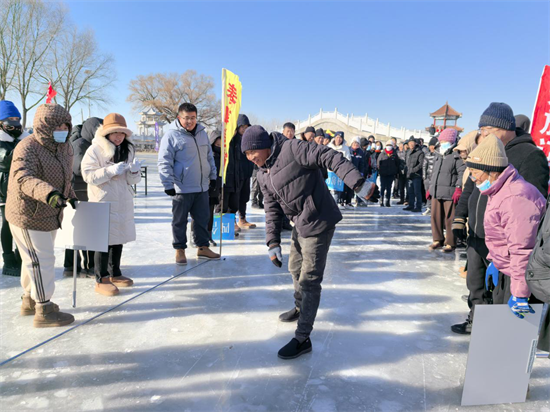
{"points": [[213, 185], [491, 273], [135, 166], [57, 200], [520, 306], [428, 195], [276, 255], [456, 195], [170, 192], [368, 191], [73, 202], [459, 228], [117, 168]]}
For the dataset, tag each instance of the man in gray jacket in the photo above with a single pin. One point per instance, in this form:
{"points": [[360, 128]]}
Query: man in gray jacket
{"points": [[290, 177], [187, 169]]}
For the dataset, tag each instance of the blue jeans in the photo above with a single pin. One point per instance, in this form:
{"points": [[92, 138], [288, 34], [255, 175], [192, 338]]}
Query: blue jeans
{"points": [[196, 204], [414, 186]]}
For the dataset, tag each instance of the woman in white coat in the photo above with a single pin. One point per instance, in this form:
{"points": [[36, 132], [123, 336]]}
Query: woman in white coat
{"points": [[110, 168]]}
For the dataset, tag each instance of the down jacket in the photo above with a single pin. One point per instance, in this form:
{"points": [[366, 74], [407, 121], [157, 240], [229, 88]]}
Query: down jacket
{"points": [[514, 210], [446, 175], [185, 160], [414, 160], [39, 167], [293, 185], [108, 188], [81, 142], [388, 165]]}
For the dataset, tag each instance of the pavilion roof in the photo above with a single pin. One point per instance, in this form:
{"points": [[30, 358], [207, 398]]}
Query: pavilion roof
{"points": [[446, 109]]}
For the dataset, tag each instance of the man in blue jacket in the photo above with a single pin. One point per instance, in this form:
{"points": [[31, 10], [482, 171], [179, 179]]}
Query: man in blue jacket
{"points": [[187, 169]]}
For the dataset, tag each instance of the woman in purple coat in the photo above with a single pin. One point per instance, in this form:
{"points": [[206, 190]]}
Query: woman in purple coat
{"points": [[514, 210]]}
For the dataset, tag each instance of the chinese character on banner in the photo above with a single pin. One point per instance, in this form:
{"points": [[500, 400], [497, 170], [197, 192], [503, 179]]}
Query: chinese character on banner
{"points": [[540, 128], [156, 136], [231, 105]]}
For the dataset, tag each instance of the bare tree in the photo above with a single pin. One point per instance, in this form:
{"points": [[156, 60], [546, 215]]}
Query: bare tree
{"points": [[10, 10], [269, 125], [82, 74], [165, 92], [36, 30]]}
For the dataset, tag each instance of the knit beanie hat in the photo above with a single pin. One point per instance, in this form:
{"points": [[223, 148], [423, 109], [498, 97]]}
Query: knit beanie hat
{"points": [[357, 140], [448, 135], [467, 143], [433, 141], [8, 109], [389, 142], [341, 134], [310, 129], [489, 156], [498, 115], [319, 132], [255, 138], [328, 136], [364, 142]]}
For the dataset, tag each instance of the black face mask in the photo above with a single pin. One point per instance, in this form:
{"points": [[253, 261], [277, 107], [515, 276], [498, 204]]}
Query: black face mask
{"points": [[216, 149], [12, 127]]}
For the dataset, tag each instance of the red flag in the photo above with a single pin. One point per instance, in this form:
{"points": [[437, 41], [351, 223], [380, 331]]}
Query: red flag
{"points": [[540, 129], [51, 93]]}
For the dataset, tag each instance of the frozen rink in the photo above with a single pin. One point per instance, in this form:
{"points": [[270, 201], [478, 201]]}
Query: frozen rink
{"points": [[207, 339]]}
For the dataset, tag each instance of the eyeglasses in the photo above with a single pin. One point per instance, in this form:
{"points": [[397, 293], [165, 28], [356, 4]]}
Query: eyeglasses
{"points": [[188, 119], [485, 130]]}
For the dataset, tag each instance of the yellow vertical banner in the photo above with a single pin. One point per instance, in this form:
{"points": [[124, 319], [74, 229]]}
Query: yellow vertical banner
{"points": [[231, 104]]}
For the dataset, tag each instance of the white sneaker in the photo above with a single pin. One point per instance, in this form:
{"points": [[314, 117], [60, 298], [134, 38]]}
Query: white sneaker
{"points": [[427, 212]]}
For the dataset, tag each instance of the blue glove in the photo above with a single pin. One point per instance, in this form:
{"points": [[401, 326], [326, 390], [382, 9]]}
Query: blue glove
{"points": [[492, 272], [276, 255], [519, 306]]}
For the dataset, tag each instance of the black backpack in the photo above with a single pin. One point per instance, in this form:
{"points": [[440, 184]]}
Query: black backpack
{"points": [[537, 274]]}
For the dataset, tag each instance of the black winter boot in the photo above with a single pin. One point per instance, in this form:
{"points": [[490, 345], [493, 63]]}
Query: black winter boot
{"points": [[294, 348], [463, 328], [11, 266], [291, 316], [388, 203]]}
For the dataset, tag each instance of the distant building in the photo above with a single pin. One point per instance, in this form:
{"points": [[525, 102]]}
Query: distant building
{"points": [[445, 118], [148, 119]]}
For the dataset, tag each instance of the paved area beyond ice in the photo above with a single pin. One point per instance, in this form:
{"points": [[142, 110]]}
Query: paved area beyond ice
{"points": [[207, 339]]}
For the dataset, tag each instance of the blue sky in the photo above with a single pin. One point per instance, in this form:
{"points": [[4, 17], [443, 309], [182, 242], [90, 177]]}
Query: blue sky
{"points": [[397, 61]]}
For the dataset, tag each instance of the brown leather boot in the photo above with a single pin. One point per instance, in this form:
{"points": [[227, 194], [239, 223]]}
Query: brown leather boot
{"points": [[205, 253], [122, 281], [47, 315], [27, 305], [243, 224], [181, 260], [106, 287]]}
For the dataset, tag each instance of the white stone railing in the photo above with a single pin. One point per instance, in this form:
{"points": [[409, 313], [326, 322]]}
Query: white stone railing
{"points": [[364, 124]]}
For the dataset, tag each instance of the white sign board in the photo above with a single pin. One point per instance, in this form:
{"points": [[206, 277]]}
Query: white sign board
{"points": [[501, 355], [85, 228]]}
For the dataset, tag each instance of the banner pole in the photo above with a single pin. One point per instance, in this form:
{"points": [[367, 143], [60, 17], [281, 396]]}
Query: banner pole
{"points": [[222, 161]]}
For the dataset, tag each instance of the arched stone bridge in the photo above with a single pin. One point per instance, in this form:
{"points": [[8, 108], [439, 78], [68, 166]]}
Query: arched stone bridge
{"points": [[353, 126]]}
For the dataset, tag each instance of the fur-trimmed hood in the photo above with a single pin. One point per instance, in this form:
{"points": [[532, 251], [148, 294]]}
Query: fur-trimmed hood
{"points": [[107, 148]]}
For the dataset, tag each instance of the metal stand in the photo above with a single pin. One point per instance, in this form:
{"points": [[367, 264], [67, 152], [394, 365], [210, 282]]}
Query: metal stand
{"points": [[75, 261]]}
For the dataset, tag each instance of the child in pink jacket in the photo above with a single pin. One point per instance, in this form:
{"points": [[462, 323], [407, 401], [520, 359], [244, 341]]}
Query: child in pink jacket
{"points": [[513, 213]]}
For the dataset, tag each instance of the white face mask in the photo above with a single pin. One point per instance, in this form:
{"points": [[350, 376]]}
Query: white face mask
{"points": [[60, 136], [389, 148], [444, 147]]}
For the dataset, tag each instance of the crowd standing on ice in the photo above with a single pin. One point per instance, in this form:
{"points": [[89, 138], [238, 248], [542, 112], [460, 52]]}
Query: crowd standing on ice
{"points": [[486, 192]]}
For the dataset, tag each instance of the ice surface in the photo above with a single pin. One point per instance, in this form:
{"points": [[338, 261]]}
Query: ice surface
{"points": [[208, 340]]}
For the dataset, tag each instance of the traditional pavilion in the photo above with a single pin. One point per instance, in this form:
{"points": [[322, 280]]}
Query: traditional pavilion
{"points": [[146, 124], [445, 117]]}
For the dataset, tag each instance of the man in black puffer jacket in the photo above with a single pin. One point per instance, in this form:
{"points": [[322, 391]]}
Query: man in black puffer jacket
{"points": [[530, 163], [291, 181], [81, 139], [414, 160], [388, 168]]}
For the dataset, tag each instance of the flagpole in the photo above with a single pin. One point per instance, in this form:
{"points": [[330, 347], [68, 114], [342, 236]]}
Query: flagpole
{"points": [[222, 160]]}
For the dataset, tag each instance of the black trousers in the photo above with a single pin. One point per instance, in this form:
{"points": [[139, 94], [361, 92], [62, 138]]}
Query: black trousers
{"points": [[5, 233], [401, 185], [107, 264], [231, 200], [477, 266], [244, 196], [385, 186], [415, 192], [257, 195]]}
